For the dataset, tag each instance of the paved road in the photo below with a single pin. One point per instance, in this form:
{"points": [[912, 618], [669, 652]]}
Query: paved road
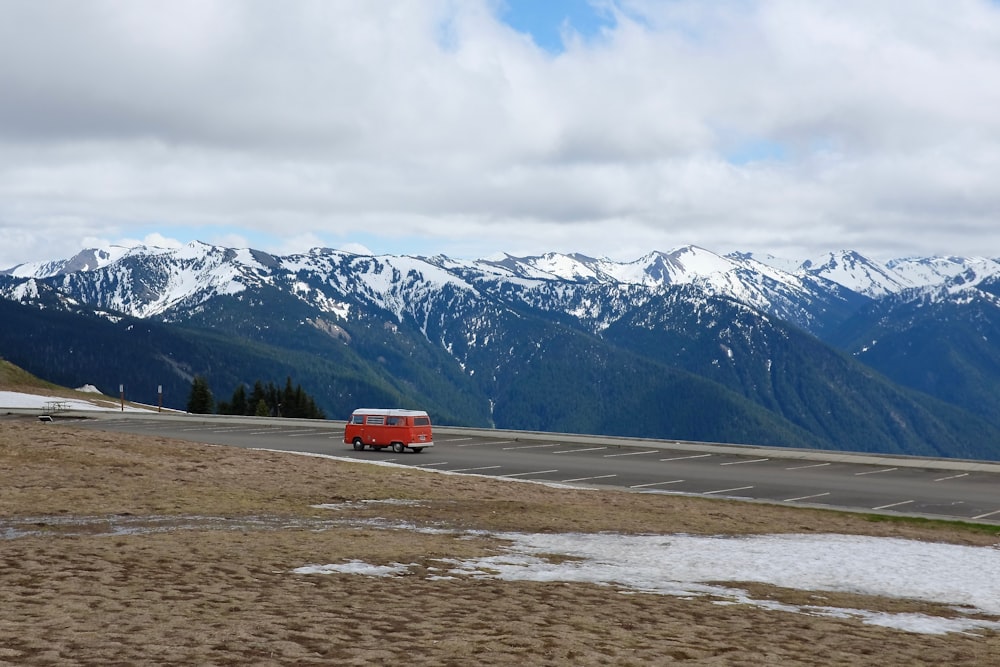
{"points": [[913, 487]]}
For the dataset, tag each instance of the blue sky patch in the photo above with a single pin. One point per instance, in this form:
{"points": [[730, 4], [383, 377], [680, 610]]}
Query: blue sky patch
{"points": [[544, 20]]}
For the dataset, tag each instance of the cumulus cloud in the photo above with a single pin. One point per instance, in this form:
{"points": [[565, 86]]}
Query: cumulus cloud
{"points": [[779, 126]]}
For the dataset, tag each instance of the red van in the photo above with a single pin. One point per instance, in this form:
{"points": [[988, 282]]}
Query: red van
{"points": [[379, 428]]}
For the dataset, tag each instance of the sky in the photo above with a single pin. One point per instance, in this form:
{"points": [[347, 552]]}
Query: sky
{"points": [[472, 127]]}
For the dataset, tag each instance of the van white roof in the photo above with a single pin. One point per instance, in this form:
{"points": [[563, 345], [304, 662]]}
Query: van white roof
{"points": [[390, 412]]}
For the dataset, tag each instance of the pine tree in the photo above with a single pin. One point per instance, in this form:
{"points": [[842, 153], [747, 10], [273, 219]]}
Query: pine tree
{"points": [[256, 396], [200, 401], [239, 406]]}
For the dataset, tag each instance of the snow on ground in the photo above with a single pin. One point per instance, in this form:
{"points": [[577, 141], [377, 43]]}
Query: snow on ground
{"points": [[14, 399], [966, 578], [963, 577]]}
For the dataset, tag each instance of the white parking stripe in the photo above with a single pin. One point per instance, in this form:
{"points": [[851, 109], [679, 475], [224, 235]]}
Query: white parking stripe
{"points": [[428, 465], [521, 474], [813, 465], [983, 516], [574, 451], [456, 439], [875, 472], [507, 449], [817, 495], [739, 488], [652, 451], [736, 463], [941, 479], [583, 479], [641, 486], [471, 469], [884, 507], [681, 458], [471, 444]]}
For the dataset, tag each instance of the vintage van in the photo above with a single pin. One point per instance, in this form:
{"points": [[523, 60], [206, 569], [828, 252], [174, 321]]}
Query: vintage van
{"points": [[379, 428]]}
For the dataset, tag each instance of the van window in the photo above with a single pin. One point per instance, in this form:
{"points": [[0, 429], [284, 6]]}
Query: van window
{"points": [[421, 421], [376, 420], [394, 421], [357, 419]]}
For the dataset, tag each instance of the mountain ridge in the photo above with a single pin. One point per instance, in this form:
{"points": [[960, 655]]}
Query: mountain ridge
{"points": [[484, 333]]}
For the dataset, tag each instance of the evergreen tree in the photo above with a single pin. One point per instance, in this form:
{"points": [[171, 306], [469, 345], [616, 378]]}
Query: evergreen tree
{"points": [[273, 399], [258, 395], [270, 401], [200, 401], [290, 408], [239, 406]]}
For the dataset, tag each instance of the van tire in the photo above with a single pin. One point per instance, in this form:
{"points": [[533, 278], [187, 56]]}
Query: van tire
{"points": [[398, 447], [358, 445]]}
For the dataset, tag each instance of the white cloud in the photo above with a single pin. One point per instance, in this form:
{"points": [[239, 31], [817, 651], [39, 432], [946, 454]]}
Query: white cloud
{"points": [[769, 126]]}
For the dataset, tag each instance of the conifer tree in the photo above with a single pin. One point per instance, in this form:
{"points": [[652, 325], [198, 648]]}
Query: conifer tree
{"points": [[239, 406], [200, 401]]}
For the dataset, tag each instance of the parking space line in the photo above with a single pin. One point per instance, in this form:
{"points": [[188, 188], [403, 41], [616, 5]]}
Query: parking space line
{"points": [[652, 451], [811, 465], [875, 472], [983, 516], [456, 439], [521, 474], [551, 444], [471, 444], [739, 488], [642, 486], [584, 479], [885, 507], [471, 469], [577, 451], [428, 465], [815, 495], [736, 463], [302, 433], [941, 479], [681, 458]]}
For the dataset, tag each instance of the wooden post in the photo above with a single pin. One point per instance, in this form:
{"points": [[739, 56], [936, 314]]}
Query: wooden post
{"points": [[159, 393], [121, 392]]}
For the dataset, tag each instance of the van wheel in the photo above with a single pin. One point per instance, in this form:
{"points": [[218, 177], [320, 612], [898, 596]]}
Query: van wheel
{"points": [[418, 449], [398, 447], [358, 445]]}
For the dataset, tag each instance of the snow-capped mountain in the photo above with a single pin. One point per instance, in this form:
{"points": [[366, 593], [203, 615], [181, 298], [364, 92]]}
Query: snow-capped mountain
{"points": [[484, 340], [177, 276]]}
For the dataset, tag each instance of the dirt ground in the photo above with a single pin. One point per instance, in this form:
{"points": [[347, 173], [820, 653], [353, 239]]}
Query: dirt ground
{"points": [[128, 550]]}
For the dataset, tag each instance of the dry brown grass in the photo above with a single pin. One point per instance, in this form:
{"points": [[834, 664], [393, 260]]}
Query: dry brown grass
{"points": [[123, 549]]}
